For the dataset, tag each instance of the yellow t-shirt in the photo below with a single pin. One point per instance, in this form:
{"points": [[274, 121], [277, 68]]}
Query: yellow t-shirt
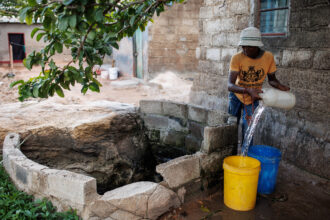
{"points": [[252, 72]]}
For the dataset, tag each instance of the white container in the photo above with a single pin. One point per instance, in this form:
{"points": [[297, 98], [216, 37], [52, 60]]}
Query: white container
{"points": [[104, 74], [113, 73], [277, 98]]}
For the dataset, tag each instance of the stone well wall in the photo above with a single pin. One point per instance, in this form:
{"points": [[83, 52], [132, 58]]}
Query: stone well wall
{"points": [[182, 176], [302, 58]]}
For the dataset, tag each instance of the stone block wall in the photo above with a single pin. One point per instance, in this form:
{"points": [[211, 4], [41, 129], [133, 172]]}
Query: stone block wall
{"points": [[187, 128], [303, 61], [173, 38], [302, 58], [220, 24]]}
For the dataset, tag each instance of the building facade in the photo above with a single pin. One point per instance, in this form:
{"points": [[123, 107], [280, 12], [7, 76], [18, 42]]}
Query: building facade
{"points": [[297, 33]]}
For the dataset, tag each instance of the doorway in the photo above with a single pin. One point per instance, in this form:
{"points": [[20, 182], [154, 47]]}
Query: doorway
{"points": [[18, 44], [138, 54]]}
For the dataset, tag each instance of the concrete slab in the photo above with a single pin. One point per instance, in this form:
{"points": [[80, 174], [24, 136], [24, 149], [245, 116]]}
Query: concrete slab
{"points": [[123, 84]]}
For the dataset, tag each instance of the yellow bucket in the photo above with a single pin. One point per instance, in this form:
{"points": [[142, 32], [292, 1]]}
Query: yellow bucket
{"points": [[240, 182]]}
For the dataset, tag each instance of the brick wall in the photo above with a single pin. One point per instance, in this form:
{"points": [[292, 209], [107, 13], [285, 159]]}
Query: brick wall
{"points": [[302, 59], [173, 39]]}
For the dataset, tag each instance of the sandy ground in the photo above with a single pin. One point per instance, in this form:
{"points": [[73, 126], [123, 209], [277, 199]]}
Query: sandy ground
{"points": [[165, 86]]}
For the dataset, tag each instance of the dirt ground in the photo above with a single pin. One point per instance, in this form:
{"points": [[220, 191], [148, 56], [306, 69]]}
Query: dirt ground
{"points": [[298, 195], [166, 86]]}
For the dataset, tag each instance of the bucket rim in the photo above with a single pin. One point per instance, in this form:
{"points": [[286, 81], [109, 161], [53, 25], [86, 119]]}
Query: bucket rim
{"points": [[274, 149], [242, 170]]}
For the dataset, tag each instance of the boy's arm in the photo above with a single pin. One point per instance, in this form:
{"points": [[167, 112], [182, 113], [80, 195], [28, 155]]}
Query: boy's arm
{"points": [[273, 81], [254, 93]]}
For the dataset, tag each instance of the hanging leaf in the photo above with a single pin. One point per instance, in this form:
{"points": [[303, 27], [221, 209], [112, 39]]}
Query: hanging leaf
{"points": [[63, 23], [22, 13], [94, 87], [73, 21], [59, 91], [99, 15], [39, 36], [67, 2], [91, 35], [34, 31], [29, 19], [15, 83], [58, 47]]}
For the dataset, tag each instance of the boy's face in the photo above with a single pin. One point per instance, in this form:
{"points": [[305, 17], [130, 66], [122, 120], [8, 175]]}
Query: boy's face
{"points": [[251, 51]]}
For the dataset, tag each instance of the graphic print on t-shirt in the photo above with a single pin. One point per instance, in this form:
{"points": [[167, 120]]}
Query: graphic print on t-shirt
{"points": [[252, 75]]}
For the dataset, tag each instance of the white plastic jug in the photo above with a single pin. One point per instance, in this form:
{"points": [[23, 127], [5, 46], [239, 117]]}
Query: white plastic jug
{"points": [[277, 98]]}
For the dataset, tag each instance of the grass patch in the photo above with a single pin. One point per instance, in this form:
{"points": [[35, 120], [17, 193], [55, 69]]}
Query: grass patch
{"points": [[15, 204]]}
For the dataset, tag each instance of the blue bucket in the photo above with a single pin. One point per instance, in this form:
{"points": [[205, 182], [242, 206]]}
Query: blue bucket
{"points": [[269, 158]]}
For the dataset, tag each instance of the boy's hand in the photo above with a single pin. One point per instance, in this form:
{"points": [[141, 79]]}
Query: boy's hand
{"points": [[254, 93], [283, 87]]}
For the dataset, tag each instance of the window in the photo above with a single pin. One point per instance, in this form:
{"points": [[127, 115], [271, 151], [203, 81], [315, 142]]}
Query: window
{"points": [[273, 17]]}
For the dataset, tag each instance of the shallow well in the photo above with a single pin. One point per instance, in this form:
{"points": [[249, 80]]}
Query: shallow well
{"points": [[129, 164]]}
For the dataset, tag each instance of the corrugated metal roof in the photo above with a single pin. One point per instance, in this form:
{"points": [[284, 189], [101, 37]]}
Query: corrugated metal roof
{"points": [[6, 19]]}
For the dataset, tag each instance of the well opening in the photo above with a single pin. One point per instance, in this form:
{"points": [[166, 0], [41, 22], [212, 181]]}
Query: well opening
{"points": [[117, 151]]}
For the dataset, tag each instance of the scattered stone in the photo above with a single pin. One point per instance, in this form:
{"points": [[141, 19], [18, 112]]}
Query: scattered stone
{"points": [[180, 170], [132, 197], [161, 201]]}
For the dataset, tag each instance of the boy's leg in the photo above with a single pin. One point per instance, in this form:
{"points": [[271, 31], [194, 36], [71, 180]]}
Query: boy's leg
{"points": [[235, 109], [234, 106]]}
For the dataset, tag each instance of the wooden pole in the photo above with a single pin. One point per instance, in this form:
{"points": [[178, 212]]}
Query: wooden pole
{"points": [[11, 57]]}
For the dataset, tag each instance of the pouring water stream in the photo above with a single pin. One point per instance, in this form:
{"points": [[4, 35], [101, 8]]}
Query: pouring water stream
{"points": [[250, 131]]}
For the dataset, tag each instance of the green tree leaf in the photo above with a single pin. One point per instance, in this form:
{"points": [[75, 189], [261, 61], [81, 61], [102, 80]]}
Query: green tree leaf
{"points": [[15, 83], [99, 15], [32, 2], [39, 36], [94, 87], [59, 91], [91, 35], [63, 23], [73, 21], [58, 47], [67, 2], [34, 31], [28, 18], [22, 13]]}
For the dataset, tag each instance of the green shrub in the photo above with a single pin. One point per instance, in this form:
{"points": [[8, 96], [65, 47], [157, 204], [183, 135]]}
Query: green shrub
{"points": [[15, 204]]}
